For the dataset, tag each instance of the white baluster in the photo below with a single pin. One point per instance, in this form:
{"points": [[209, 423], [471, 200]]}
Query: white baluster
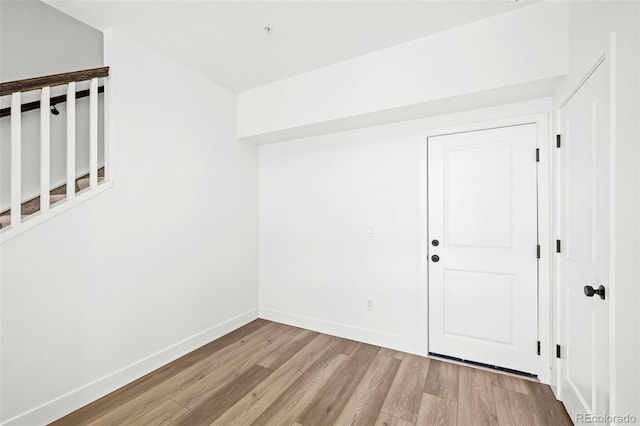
{"points": [[106, 111], [16, 138], [45, 140], [71, 140], [93, 133]]}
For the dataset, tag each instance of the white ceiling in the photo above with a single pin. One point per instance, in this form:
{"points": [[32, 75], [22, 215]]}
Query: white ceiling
{"points": [[226, 41]]}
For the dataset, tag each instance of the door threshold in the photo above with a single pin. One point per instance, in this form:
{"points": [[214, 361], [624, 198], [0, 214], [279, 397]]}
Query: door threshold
{"points": [[481, 365]]}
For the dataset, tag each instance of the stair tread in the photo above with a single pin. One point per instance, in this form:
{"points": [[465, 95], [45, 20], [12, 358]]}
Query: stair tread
{"points": [[5, 220], [55, 195]]}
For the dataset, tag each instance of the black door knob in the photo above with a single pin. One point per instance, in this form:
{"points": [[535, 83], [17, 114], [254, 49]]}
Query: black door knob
{"points": [[435, 258], [590, 291], [435, 243]]}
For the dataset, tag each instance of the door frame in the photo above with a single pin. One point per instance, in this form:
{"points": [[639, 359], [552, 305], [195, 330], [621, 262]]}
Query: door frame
{"points": [[544, 178]]}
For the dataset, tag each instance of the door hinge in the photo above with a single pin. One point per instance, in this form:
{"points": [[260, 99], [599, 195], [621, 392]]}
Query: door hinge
{"points": [[537, 155], [558, 351], [558, 246], [558, 141], [538, 347], [538, 251]]}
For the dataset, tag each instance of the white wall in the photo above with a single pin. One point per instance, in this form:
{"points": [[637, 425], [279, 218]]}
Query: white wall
{"points": [[508, 51], [36, 40], [319, 195], [590, 24], [163, 262]]}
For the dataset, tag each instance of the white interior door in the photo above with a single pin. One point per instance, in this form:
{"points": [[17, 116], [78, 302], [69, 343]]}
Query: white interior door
{"points": [[584, 228], [483, 264]]}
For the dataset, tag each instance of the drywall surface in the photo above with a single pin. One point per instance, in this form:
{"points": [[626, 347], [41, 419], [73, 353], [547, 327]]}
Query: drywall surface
{"points": [[509, 50], [590, 27], [341, 220], [36, 40], [163, 262]]}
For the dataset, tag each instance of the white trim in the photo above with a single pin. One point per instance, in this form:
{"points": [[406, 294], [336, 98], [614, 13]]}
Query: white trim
{"points": [[541, 119], [593, 69], [40, 217], [71, 401], [16, 161], [45, 147], [71, 140], [93, 134], [557, 232], [423, 220], [612, 286], [107, 117], [546, 241], [365, 335]]}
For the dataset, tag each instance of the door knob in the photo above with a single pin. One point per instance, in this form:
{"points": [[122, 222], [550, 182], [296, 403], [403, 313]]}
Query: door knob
{"points": [[435, 243], [590, 291], [435, 258]]}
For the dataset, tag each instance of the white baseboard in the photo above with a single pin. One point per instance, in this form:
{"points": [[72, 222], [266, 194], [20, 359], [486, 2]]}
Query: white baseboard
{"points": [[365, 335], [90, 392]]}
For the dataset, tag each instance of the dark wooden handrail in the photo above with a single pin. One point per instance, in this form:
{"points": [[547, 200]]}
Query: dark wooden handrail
{"points": [[30, 106], [51, 80]]}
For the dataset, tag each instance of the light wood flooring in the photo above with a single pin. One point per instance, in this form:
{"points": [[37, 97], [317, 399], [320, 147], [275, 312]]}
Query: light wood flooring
{"points": [[267, 373]]}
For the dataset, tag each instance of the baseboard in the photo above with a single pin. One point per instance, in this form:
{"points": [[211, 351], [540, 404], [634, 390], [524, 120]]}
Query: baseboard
{"points": [[65, 404], [365, 335]]}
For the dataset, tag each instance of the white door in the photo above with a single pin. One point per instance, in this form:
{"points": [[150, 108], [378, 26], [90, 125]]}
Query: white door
{"points": [[584, 258], [483, 262]]}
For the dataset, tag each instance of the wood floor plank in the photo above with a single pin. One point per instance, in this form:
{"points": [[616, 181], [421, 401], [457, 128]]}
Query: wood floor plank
{"points": [[163, 415], [442, 380], [256, 401], [218, 368], [157, 377], [385, 419], [436, 411], [549, 410], [514, 408], [288, 406], [282, 353], [508, 382], [219, 402], [404, 397], [331, 399], [199, 390], [345, 346], [391, 353], [476, 405], [363, 407]]}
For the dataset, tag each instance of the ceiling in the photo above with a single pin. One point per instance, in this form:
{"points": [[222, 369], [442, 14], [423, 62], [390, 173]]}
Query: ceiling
{"points": [[226, 41]]}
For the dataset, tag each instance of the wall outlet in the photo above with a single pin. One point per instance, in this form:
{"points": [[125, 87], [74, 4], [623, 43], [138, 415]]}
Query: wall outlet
{"points": [[368, 304]]}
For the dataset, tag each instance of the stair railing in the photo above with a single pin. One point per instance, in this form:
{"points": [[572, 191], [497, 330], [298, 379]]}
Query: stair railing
{"points": [[16, 89]]}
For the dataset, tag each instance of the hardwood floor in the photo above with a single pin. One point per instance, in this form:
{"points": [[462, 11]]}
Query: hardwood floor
{"points": [[267, 373]]}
